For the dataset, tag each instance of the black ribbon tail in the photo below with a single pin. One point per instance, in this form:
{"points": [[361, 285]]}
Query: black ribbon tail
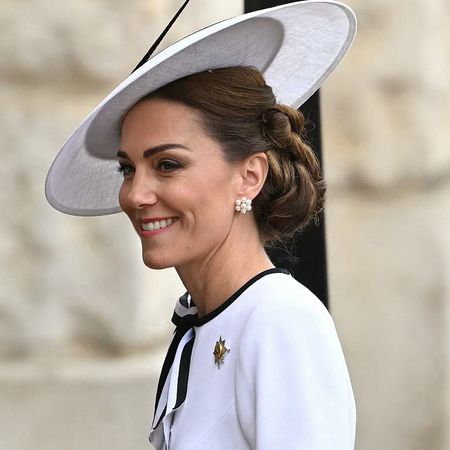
{"points": [[168, 361], [183, 375]]}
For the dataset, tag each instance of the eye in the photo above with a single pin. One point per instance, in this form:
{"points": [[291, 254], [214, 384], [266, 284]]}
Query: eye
{"points": [[168, 165], [125, 169]]}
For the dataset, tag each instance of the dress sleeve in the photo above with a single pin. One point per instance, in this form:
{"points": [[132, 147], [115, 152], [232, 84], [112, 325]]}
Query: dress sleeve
{"points": [[292, 385]]}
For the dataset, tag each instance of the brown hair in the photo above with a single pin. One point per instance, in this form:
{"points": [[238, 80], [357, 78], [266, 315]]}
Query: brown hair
{"points": [[239, 110]]}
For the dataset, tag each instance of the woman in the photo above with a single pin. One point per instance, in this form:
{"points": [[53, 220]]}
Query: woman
{"points": [[213, 168]]}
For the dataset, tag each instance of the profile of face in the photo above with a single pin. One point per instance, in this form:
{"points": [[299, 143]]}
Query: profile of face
{"points": [[178, 190]]}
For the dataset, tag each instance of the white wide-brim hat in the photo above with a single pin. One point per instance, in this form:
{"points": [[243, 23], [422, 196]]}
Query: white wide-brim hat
{"points": [[296, 46]]}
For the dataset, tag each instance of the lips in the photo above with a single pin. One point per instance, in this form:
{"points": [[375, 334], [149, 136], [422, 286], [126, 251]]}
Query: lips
{"points": [[157, 224]]}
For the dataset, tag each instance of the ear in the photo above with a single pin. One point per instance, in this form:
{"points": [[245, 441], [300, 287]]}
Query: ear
{"points": [[253, 171]]}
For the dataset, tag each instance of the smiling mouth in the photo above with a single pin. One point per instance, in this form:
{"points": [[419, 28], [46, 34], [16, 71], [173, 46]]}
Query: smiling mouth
{"points": [[158, 224]]}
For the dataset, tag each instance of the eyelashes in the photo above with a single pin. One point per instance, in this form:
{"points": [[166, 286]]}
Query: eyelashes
{"points": [[169, 165], [163, 166], [124, 169]]}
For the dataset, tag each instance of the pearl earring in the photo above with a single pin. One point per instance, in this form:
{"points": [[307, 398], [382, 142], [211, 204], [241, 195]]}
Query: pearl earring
{"points": [[243, 205]]}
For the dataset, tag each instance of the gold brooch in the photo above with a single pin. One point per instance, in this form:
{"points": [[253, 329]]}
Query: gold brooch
{"points": [[219, 352]]}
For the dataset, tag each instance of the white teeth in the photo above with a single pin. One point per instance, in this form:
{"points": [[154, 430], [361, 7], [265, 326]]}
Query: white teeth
{"points": [[156, 225]]}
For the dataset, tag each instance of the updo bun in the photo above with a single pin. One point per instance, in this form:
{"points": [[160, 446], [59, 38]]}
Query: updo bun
{"points": [[239, 110], [294, 192]]}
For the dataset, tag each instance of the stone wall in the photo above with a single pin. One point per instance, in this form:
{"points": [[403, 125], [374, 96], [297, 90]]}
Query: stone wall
{"points": [[83, 325], [387, 159]]}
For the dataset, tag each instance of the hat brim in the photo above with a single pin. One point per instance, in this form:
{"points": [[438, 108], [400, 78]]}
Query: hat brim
{"points": [[296, 46]]}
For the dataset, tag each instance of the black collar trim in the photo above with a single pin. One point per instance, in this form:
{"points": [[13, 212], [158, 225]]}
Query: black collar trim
{"points": [[210, 316], [193, 320]]}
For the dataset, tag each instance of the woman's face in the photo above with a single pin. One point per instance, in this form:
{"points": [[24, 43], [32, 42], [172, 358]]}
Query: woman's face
{"points": [[178, 190]]}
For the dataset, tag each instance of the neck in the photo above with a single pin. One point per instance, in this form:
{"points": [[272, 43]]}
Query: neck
{"points": [[213, 280]]}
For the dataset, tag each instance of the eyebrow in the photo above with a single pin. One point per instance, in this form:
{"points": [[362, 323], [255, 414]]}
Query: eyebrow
{"points": [[153, 150]]}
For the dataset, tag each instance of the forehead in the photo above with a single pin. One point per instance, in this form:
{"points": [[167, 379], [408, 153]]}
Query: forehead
{"points": [[162, 115], [159, 119], [156, 122]]}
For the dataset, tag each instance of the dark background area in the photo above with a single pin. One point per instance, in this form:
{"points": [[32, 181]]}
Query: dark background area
{"points": [[305, 256]]}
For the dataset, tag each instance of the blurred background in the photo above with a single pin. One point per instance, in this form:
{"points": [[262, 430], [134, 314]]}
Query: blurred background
{"points": [[84, 325]]}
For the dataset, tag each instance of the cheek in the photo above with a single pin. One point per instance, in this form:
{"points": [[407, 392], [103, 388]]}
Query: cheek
{"points": [[214, 208], [122, 197]]}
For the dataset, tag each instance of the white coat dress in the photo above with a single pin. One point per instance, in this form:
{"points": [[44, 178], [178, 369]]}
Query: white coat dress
{"points": [[264, 371]]}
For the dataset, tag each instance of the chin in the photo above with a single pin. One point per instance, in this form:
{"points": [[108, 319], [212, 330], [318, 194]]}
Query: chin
{"points": [[156, 262]]}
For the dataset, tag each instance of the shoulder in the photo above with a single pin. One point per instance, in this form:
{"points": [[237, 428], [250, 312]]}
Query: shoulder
{"points": [[281, 298], [287, 315], [291, 371]]}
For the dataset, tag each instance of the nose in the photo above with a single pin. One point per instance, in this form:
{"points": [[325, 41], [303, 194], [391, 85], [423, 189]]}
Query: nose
{"points": [[137, 192]]}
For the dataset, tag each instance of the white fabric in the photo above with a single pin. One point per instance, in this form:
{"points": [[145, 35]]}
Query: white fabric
{"points": [[283, 385]]}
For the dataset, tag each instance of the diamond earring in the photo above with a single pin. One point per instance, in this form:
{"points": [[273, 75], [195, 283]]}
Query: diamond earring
{"points": [[243, 205]]}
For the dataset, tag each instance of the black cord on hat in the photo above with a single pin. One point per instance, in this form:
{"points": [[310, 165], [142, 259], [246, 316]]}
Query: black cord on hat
{"points": [[161, 37]]}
